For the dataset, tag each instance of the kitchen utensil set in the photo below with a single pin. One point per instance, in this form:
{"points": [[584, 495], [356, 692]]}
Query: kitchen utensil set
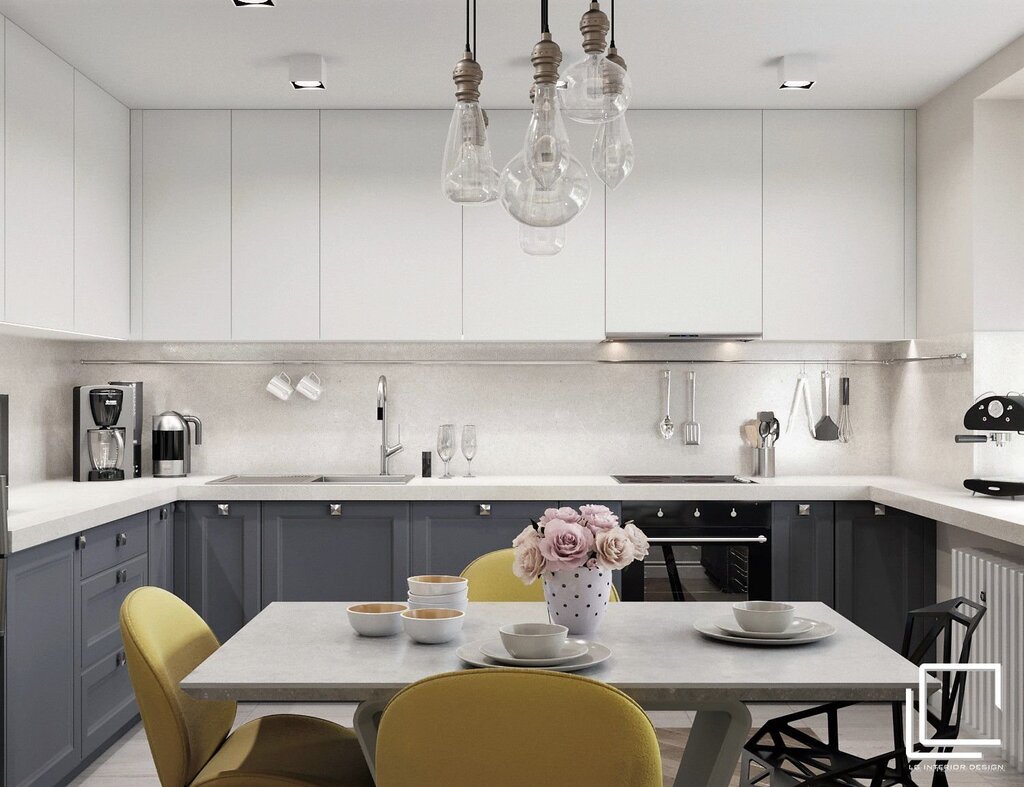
{"points": [[825, 428]]}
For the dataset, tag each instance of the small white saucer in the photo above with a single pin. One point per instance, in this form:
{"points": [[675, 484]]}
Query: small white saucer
{"points": [[571, 649], [819, 630], [728, 624], [596, 653]]}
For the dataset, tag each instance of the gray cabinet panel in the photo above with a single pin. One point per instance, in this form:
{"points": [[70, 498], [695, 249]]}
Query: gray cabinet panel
{"points": [[224, 564], [161, 547], [41, 670], [803, 552], [113, 543], [358, 553], [108, 702], [885, 567], [101, 599], [447, 537]]}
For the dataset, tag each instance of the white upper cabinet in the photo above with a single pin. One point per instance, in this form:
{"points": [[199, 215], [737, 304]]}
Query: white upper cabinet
{"points": [[684, 229], [835, 233], [40, 184], [390, 250], [509, 295], [102, 233], [186, 225], [275, 219]]}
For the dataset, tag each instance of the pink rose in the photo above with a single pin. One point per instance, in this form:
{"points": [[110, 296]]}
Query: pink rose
{"points": [[614, 549], [639, 540], [565, 544], [529, 562], [598, 518], [564, 514]]}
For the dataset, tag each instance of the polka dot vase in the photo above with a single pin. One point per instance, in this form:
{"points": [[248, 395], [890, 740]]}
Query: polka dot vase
{"points": [[578, 597]]}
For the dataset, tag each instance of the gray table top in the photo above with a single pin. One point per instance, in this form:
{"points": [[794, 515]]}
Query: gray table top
{"points": [[307, 652]]}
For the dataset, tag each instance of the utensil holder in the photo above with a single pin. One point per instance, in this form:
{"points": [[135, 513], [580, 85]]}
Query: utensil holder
{"points": [[764, 462]]}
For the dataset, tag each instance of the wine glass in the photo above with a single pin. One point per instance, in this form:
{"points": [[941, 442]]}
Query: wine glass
{"points": [[446, 445], [469, 447]]}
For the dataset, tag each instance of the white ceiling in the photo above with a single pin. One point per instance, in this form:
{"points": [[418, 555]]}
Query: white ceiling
{"points": [[399, 53]]}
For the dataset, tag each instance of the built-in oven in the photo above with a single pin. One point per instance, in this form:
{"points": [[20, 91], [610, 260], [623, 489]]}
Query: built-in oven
{"points": [[701, 551]]}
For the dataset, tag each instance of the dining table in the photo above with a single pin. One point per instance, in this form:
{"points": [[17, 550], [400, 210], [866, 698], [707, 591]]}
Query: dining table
{"points": [[307, 652]]}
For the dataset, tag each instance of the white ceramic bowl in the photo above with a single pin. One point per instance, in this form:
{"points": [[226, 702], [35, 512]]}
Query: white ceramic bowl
{"points": [[460, 603], [533, 640], [433, 626], [770, 617], [461, 595], [437, 585], [376, 620]]}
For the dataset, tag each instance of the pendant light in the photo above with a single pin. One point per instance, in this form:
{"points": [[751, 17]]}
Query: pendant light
{"points": [[544, 185], [468, 175], [612, 154], [597, 88]]}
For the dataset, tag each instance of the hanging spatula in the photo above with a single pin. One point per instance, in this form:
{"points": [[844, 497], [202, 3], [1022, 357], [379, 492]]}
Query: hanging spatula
{"points": [[691, 429], [826, 428]]}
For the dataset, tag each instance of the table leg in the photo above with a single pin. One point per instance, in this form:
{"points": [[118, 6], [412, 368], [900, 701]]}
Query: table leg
{"points": [[716, 741], [364, 725]]}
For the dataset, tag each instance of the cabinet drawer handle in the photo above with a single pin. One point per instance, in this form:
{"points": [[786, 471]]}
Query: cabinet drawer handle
{"points": [[121, 659], [485, 509], [335, 509], [121, 577], [223, 509], [80, 542], [121, 540], [803, 509], [879, 510], [163, 513]]}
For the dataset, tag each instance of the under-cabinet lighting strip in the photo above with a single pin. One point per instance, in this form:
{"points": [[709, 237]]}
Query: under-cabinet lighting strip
{"points": [[519, 362]]}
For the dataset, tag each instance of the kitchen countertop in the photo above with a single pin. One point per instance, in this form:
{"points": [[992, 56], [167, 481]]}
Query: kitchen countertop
{"points": [[50, 510]]}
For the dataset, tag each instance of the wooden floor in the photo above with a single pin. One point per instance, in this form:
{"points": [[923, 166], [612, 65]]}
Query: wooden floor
{"points": [[866, 729]]}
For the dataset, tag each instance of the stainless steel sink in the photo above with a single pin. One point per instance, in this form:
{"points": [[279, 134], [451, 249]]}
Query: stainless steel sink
{"points": [[261, 480]]}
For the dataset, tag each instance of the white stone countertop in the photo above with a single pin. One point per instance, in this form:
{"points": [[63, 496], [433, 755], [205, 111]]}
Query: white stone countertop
{"points": [[49, 510]]}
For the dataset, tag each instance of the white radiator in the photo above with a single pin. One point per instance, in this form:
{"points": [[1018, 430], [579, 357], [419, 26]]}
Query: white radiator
{"points": [[997, 582]]}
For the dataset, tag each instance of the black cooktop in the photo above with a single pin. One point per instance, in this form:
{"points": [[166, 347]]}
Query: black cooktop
{"points": [[680, 479]]}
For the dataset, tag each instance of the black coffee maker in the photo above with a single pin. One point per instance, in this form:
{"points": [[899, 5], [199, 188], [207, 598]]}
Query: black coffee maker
{"points": [[1000, 417], [104, 424]]}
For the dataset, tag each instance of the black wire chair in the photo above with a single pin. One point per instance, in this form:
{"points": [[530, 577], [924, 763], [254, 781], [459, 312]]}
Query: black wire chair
{"points": [[783, 755]]}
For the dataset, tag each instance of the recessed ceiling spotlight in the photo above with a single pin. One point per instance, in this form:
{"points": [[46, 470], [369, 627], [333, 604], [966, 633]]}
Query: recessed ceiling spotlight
{"points": [[254, 3], [797, 72], [306, 72]]}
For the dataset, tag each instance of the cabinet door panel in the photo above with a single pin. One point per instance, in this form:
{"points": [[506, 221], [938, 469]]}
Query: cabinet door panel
{"points": [[391, 255], [275, 235], [186, 225], [108, 702], [360, 555], [102, 210], [510, 296], [41, 678], [684, 230], [40, 174], [447, 537], [803, 552], [161, 547], [224, 564], [102, 596], [834, 226]]}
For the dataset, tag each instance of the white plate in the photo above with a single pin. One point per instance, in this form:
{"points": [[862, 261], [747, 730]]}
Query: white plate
{"points": [[571, 649], [818, 631], [728, 624], [596, 653]]}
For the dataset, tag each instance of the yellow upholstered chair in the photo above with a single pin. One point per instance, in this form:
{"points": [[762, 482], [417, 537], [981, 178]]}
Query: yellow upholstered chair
{"points": [[510, 727], [491, 579], [165, 640]]}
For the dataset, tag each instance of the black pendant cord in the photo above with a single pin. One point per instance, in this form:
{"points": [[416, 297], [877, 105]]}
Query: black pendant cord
{"points": [[474, 30], [467, 26], [613, 25], [544, 17]]}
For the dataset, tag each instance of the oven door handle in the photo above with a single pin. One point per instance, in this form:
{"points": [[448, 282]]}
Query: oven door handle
{"points": [[726, 540]]}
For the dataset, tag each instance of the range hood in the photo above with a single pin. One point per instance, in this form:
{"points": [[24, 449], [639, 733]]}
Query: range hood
{"points": [[681, 337]]}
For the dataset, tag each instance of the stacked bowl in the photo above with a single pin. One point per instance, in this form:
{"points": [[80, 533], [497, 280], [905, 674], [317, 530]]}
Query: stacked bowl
{"points": [[438, 591]]}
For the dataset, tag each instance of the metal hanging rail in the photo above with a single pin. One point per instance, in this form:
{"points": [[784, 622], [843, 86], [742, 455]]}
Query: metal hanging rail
{"points": [[520, 362]]}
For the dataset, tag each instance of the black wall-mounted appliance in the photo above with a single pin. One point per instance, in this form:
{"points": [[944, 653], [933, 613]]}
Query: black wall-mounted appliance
{"points": [[1000, 417]]}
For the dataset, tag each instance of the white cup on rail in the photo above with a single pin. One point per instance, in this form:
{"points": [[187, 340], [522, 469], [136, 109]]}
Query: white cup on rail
{"points": [[310, 386], [280, 385]]}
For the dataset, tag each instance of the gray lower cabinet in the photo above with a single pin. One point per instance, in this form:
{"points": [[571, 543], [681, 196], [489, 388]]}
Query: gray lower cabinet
{"points": [[41, 665], [885, 567], [803, 552], [315, 551], [161, 547], [446, 537], [224, 564]]}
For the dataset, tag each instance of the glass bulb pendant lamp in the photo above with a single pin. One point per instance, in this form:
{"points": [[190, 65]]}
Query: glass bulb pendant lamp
{"points": [[544, 185], [596, 89], [468, 175], [541, 241], [612, 155]]}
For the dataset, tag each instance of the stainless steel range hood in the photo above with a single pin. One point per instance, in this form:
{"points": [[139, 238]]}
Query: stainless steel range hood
{"points": [[681, 337]]}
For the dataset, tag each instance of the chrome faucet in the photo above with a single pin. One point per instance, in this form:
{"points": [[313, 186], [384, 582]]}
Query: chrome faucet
{"points": [[386, 451]]}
